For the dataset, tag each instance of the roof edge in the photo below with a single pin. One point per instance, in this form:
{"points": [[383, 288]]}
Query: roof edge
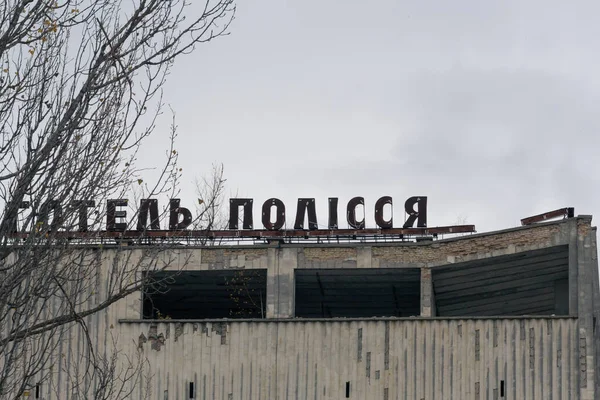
{"points": [[374, 319]]}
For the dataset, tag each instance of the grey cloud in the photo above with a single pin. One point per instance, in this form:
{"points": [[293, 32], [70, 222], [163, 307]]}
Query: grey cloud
{"points": [[487, 107], [498, 144]]}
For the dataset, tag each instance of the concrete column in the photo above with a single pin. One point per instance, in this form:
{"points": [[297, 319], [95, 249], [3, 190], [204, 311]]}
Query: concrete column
{"points": [[573, 267], [586, 254], [282, 263], [364, 257], [596, 301], [427, 294]]}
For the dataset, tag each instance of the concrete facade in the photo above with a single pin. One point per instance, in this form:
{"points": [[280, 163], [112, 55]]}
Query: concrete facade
{"points": [[380, 359], [426, 357]]}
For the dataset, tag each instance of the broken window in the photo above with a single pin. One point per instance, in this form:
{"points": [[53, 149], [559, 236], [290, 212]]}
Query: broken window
{"points": [[206, 294], [331, 293]]}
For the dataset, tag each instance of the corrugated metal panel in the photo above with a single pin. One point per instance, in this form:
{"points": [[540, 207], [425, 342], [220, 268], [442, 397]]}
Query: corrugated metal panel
{"points": [[522, 283], [381, 359]]}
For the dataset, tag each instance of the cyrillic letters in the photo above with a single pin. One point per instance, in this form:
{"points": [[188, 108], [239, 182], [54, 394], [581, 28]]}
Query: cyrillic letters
{"points": [[333, 213], [266, 214], [15, 217], [303, 205], [145, 206], [82, 206], [174, 212], [51, 206], [234, 210], [379, 213], [420, 215], [112, 214], [351, 213]]}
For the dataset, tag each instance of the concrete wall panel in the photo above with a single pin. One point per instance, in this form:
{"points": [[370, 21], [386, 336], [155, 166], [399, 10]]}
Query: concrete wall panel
{"points": [[382, 359]]}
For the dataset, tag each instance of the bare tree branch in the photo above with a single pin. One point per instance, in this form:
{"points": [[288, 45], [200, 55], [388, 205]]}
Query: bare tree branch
{"points": [[80, 90]]}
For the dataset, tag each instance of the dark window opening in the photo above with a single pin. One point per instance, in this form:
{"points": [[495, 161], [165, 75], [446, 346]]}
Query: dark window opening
{"points": [[528, 283], [206, 294], [357, 293], [191, 390], [347, 390]]}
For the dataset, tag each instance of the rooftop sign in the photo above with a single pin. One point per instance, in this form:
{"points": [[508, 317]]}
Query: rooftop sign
{"points": [[147, 220], [415, 207]]}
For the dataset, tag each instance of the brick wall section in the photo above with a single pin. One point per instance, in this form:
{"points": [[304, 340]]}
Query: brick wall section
{"points": [[583, 227], [467, 249], [225, 258], [330, 254], [425, 254], [330, 257]]}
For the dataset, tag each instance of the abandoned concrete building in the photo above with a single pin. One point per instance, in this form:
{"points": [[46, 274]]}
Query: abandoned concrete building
{"points": [[510, 314]]}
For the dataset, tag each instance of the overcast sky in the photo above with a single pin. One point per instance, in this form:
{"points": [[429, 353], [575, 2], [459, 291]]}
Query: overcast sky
{"points": [[489, 108]]}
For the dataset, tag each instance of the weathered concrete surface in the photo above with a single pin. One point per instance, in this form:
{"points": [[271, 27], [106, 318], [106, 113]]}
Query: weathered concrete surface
{"points": [[394, 359], [280, 282], [587, 316], [427, 295]]}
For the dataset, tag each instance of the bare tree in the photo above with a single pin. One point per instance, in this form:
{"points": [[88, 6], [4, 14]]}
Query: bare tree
{"points": [[80, 89], [210, 191]]}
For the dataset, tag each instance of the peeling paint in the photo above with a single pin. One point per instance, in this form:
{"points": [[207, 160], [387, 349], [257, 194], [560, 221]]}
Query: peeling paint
{"points": [[178, 330], [141, 340], [305, 359], [157, 340], [221, 330], [583, 360]]}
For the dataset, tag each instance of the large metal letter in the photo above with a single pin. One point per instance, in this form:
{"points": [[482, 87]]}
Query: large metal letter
{"points": [[12, 219], [174, 212], [266, 214], [234, 213], [382, 223], [82, 206], [420, 215], [112, 214], [333, 213], [145, 206], [51, 206], [303, 205], [351, 213]]}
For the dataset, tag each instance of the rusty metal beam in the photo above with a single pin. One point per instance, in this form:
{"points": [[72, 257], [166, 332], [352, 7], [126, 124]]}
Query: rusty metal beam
{"points": [[257, 234], [567, 212]]}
